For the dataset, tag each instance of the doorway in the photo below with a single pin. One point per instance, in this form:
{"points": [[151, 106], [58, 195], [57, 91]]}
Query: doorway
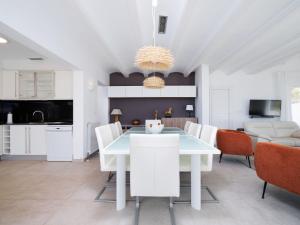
{"points": [[295, 104]]}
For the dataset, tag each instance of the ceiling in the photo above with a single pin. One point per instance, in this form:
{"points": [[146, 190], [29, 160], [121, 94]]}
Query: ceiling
{"points": [[229, 35], [15, 55]]}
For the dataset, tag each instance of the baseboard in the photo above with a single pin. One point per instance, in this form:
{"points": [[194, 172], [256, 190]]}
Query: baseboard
{"points": [[24, 157]]}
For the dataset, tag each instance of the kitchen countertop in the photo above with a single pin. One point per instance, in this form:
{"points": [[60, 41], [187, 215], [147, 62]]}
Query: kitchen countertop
{"points": [[41, 123]]}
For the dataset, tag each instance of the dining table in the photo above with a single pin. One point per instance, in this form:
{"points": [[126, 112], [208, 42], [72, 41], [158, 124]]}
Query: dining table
{"points": [[189, 145]]}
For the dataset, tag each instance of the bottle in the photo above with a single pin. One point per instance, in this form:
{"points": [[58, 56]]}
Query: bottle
{"points": [[9, 118]]}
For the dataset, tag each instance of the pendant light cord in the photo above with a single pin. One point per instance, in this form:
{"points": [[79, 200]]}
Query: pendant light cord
{"points": [[153, 21]]}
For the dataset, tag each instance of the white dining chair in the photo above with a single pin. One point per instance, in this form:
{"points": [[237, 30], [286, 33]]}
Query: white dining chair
{"points": [[119, 125], [208, 134], [149, 175], [194, 130], [186, 126], [148, 123], [104, 138], [114, 130]]}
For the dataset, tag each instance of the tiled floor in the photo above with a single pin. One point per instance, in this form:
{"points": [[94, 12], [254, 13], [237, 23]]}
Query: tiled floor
{"points": [[38, 193]]}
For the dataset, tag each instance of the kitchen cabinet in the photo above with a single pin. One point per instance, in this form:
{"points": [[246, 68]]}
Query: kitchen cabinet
{"points": [[63, 85], [9, 85], [40, 85], [36, 85], [28, 140], [142, 92], [18, 140], [1, 140]]}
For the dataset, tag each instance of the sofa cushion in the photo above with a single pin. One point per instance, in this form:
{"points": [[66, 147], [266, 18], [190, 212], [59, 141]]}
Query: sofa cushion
{"points": [[284, 128], [260, 128], [296, 134], [285, 141]]}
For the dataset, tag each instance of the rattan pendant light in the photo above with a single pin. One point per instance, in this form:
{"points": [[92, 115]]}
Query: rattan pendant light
{"points": [[154, 58]]}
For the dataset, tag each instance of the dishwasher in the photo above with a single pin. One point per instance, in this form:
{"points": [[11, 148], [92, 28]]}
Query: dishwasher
{"points": [[59, 143]]}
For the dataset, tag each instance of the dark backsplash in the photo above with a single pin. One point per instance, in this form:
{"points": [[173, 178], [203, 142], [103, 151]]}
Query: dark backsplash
{"points": [[54, 111]]}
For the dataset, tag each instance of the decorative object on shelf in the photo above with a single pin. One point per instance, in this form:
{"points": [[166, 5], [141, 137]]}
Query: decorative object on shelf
{"points": [[189, 109], [136, 122], [116, 113], [154, 58], [155, 114], [168, 113]]}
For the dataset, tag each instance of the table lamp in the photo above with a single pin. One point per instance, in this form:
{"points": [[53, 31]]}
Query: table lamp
{"points": [[189, 109], [116, 113]]}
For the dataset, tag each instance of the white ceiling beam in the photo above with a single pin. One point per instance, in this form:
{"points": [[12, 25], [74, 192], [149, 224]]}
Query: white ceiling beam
{"points": [[196, 61], [268, 63], [273, 20], [288, 46]]}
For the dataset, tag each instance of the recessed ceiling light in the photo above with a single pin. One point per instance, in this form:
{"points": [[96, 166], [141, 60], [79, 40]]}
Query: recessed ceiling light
{"points": [[3, 40]]}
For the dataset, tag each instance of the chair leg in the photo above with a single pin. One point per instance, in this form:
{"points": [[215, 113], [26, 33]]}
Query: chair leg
{"points": [[220, 157], [137, 211], [264, 190], [110, 175], [171, 209], [248, 157]]}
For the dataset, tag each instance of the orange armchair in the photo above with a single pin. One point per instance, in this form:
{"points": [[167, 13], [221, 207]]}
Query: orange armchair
{"points": [[278, 165], [234, 143]]}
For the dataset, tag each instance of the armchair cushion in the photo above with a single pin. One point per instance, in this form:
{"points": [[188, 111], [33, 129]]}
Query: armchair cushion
{"points": [[296, 134], [278, 165]]}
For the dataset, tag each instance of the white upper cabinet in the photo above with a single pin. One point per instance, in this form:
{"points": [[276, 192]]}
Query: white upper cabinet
{"points": [[63, 85], [142, 92], [169, 91], [133, 91], [28, 85], [9, 85], [36, 85], [117, 91], [187, 91], [151, 92], [26, 81]]}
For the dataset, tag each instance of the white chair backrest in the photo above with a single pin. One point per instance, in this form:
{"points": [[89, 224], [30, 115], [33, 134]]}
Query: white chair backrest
{"points": [[119, 125], [208, 134], [149, 122], [104, 138], [186, 126], [114, 130], [194, 130], [154, 165]]}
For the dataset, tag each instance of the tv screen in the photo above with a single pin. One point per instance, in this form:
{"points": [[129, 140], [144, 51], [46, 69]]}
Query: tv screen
{"points": [[265, 108]]}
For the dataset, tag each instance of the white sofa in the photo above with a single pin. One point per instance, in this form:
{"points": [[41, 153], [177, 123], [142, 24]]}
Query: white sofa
{"points": [[279, 132]]}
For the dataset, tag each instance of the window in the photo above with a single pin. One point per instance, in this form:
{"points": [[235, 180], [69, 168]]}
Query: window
{"points": [[295, 104]]}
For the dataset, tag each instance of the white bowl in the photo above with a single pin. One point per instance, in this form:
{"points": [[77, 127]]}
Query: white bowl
{"points": [[156, 129]]}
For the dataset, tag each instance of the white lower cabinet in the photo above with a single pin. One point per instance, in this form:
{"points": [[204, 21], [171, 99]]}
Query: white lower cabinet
{"points": [[28, 140]]}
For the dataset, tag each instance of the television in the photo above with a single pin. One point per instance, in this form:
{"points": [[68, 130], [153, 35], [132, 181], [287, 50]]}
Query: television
{"points": [[265, 108]]}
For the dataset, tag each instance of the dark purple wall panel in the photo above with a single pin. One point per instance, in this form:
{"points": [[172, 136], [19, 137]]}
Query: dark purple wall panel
{"points": [[142, 108], [136, 79]]}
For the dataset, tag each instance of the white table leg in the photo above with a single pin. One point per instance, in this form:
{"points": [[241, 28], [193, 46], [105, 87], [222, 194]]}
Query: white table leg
{"points": [[196, 181], [121, 182]]}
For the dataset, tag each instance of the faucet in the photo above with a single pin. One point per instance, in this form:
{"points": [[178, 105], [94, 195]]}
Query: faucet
{"points": [[42, 114]]}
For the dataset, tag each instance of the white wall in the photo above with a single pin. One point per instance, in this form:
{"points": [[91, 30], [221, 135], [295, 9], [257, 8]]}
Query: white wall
{"points": [[274, 83]]}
